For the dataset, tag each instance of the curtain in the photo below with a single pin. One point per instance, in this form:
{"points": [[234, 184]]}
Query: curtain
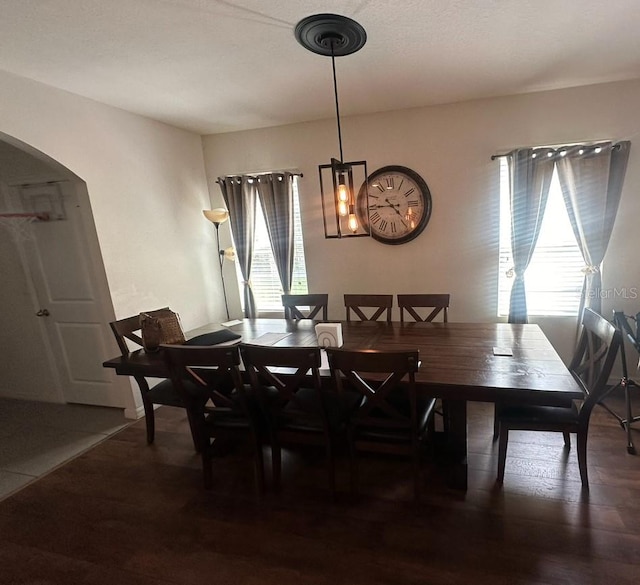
{"points": [[530, 172], [276, 197], [591, 179], [239, 194]]}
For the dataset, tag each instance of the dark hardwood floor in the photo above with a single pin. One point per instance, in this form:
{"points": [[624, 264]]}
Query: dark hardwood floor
{"points": [[126, 513]]}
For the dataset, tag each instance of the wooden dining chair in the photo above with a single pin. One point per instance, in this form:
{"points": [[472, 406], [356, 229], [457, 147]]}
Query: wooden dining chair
{"points": [[439, 303], [286, 381], [391, 417], [381, 304], [591, 366], [305, 306], [219, 414], [164, 393]]}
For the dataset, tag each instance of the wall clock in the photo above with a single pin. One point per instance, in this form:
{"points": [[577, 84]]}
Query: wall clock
{"points": [[398, 207]]}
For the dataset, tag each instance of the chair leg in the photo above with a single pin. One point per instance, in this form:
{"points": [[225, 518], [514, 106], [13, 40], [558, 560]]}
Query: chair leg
{"points": [[148, 407], [207, 465], [353, 463], [331, 467], [567, 439], [259, 460], [276, 463], [502, 452], [149, 418], [582, 459], [417, 477], [193, 426]]}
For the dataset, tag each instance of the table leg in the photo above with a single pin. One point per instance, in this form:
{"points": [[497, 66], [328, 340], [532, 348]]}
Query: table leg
{"points": [[455, 413]]}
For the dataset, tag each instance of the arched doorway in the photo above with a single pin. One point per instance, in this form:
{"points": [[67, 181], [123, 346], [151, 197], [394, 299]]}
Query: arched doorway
{"points": [[56, 304]]}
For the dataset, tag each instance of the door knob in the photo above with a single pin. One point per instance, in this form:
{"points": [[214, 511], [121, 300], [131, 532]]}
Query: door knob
{"points": [[42, 313]]}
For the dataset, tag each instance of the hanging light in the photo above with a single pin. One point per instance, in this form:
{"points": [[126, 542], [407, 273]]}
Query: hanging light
{"points": [[345, 213]]}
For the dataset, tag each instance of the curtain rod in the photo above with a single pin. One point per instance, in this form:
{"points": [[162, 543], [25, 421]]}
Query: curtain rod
{"points": [[555, 149], [256, 175]]}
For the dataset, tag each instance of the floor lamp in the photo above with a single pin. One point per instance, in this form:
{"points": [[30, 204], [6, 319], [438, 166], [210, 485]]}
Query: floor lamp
{"points": [[216, 217]]}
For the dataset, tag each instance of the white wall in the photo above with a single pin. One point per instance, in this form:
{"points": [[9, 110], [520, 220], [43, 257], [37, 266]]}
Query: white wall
{"points": [[147, 187], [450, 146]]}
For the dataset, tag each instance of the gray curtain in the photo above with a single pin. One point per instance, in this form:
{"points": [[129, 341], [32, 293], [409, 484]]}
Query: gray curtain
{"points": [[276, 196], [240, 196], [591, 178], [530, 172]]}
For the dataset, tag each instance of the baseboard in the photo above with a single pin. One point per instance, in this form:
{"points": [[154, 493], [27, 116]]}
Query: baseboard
{"points": [[134, 413]]}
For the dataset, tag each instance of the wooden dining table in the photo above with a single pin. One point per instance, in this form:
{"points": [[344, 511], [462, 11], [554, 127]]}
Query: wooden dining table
{"points": [[459, 362]]}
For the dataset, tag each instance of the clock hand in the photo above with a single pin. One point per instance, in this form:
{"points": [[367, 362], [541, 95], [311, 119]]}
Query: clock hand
{"points": [[394, 208]]}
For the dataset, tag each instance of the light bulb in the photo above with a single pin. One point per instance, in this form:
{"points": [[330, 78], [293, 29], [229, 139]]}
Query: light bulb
{"points": [[229, 253], [343, 192], [342, 208], [353, 222]]}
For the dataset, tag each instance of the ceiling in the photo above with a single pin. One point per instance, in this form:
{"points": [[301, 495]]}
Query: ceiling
{"points": [[215, 66]]}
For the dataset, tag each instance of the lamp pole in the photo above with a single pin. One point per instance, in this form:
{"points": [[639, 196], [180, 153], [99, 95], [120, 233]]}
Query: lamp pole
{"points": [[221, 259], [216, 217]]}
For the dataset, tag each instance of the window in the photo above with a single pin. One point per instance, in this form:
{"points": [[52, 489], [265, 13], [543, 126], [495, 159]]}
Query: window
{"points": [[554, 277], [265, 280]]}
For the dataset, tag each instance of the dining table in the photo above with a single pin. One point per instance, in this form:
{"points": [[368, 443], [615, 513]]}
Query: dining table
{"points": [[459, 363]]}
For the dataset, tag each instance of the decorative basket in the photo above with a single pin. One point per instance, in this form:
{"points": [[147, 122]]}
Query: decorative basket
{"points": [[160, 326]]}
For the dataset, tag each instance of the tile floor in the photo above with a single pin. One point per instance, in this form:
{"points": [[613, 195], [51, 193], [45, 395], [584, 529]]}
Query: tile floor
{"points": [[36, 437]]}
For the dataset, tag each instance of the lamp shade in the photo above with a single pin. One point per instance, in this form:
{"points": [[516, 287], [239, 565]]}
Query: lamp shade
{"points": [[217, 216]]}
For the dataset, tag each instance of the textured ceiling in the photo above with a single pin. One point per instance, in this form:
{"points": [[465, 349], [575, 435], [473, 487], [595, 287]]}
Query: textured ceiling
{"points": [[218, 66]]}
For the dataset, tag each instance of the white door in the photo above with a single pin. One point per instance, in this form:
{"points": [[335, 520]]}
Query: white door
{"points": [[70, 295], [27, 366]]}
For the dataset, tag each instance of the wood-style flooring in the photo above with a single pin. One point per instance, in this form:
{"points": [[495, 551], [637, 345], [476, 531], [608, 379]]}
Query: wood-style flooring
{"points": [[127, 513]]}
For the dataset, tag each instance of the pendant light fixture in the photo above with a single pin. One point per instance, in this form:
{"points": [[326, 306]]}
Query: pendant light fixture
{"points": [[344, 212]]}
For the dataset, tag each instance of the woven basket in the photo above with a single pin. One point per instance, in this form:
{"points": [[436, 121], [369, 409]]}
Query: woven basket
{"points": [[160, 326]]}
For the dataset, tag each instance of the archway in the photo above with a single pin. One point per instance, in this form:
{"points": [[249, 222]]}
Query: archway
{"points": [[56, 305]]}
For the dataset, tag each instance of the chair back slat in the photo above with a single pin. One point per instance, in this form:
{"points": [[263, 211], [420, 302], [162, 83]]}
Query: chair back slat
{"points": [[127, 329], [381, 303], [439, 303], [317, 302], [222, 366], [594, 357], [381, 377], [288, 370]]}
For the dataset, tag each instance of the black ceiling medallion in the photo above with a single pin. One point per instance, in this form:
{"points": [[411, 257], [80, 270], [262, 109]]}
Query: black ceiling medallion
{"points": [[330, 34]]}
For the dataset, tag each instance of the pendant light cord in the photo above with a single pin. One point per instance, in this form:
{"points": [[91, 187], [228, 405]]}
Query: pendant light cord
{"points": [[335, 91]]}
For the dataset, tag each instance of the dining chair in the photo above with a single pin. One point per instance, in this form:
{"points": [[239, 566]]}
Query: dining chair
{"points": [[381, 303], [590, 366], [286, 381], [164, 393], [439, 303], [391, 417], [220, 415], [312, 303]]}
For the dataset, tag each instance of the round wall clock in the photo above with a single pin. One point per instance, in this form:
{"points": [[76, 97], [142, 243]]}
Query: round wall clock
{"points": [[398, 206]]}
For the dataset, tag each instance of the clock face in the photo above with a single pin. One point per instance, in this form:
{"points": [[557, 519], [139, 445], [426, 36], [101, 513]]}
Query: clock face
{"points": [[398, 205]]}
